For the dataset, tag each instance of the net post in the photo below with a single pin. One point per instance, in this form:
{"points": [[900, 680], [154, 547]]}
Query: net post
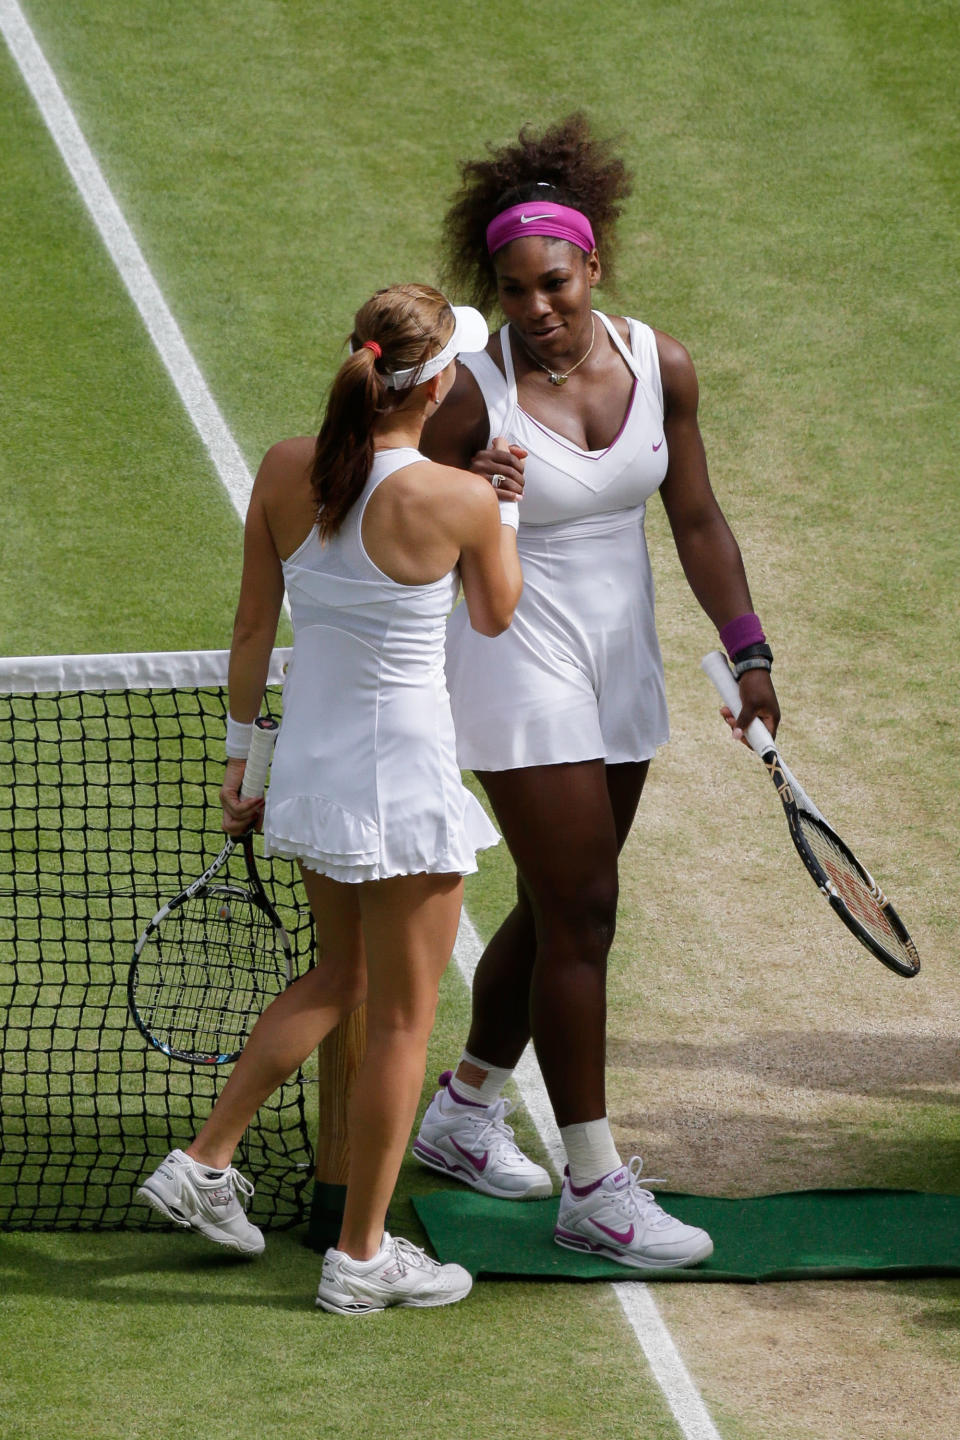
{"points": [[338, 1059]]}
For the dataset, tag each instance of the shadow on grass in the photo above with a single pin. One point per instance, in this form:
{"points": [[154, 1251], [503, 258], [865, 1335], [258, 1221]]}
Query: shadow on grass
{"points": [[795, 1111], [162, 1269], [710, 1151], [940, 1317], [886, 1066], [166, 1265]]}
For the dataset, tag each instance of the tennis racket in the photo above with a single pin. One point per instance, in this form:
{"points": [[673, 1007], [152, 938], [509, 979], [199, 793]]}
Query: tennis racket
{"points": [[214, 957], [840, 876]]}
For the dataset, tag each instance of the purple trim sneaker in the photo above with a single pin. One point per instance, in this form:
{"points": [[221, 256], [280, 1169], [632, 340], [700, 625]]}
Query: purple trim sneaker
{"points": [[474, 1144], [401, 1274], [618, 1218]]}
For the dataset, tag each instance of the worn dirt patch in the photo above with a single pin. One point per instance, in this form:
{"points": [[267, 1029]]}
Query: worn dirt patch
{"points": [[819, 1361], [755, 1047]]}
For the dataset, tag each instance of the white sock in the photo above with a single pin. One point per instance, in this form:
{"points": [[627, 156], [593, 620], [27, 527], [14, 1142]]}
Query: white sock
{"points": [[489, 1089], [591, 1153]]}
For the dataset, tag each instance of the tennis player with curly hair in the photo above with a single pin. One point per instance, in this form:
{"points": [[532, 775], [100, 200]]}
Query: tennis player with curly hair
{"points": [[560, 716]]}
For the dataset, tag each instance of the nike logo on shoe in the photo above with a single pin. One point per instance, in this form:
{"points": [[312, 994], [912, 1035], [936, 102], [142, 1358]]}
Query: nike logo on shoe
{"points": [[624, 1237], [478, 1165], [657, 447], [526, 219]]}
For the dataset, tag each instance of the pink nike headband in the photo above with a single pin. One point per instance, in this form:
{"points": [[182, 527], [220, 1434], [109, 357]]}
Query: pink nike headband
{"points": [[540, 217]]}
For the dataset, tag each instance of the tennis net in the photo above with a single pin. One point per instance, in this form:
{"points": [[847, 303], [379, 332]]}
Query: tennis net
{"points": [[110, 767]]}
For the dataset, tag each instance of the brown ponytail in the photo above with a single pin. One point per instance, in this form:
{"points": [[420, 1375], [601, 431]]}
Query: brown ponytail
{"points": [[408, 324]]}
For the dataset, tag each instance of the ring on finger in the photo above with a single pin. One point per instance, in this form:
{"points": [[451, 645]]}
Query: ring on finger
{"points": [[497, 480]]}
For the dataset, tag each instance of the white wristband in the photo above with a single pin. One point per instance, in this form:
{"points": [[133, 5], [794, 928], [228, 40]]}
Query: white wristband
{"points": [[238, 739], [510, 514]]}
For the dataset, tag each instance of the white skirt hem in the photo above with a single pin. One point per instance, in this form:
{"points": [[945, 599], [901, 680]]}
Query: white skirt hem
{"points": [[314, 833]]}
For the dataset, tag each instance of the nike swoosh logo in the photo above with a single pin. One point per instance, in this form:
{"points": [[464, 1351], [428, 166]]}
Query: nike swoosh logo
{"points": [[657, 447], [478, 1165], [622, 1238], [526, 219]]}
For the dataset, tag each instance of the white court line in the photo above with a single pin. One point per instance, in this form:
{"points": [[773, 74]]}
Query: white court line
{"points": [[638, 1305], [126, 255]]}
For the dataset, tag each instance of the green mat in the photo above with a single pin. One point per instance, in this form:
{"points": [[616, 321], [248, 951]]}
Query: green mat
{"points": [[801, 1235]]}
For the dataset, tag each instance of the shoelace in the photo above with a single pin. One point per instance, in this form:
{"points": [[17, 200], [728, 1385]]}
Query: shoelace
{"points": [[638, 1198], [409, 1254], [240, 1184], [495, 1121]]}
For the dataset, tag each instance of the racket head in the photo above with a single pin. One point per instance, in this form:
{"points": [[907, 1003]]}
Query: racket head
{"points": [[204, 969], [851, 890]]}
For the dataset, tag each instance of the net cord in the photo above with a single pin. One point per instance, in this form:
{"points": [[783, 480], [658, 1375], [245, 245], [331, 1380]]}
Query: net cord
{"points": [[149, 670]]}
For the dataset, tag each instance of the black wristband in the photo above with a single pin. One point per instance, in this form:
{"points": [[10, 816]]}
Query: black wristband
{"points": [[753, 652]]}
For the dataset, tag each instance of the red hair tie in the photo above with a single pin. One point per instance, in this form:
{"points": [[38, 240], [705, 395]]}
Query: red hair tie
{"points": [[372, 345]]}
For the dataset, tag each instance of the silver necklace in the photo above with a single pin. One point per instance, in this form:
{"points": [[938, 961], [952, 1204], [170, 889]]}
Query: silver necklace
{"points": [[555, 376]]}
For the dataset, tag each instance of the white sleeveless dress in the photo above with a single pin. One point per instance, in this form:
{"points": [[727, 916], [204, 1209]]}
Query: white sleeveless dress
{"points": [[578, 675], [364, 782]]}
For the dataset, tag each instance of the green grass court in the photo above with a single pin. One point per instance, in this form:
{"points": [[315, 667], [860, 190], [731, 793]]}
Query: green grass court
{"points": [[793, 223]]}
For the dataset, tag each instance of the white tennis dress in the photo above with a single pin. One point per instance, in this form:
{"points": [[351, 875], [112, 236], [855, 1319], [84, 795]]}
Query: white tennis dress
{"points": [[578, 676], [365, 782]]}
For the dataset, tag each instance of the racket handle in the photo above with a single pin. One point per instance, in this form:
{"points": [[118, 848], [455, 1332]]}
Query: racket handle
{"points": [[265, 730], [716, 668]]}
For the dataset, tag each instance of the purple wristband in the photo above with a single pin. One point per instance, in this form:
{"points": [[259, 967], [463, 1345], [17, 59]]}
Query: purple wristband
{"points": [[737, 634]]}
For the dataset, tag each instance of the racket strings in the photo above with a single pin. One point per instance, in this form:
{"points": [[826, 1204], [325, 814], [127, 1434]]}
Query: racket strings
{"points": [[861, 899], [208, 971]]}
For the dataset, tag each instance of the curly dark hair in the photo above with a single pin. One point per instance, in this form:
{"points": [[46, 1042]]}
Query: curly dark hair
{"points": [[576, 166]]}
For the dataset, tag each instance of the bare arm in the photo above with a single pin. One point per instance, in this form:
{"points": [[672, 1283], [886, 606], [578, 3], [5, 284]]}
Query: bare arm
{"points": [[254, 634], [457, 435], [708, 551], [458, 429], [489, 565]]}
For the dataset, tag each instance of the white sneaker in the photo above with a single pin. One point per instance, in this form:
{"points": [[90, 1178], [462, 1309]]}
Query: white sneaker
{"points": [[198, 1198], [400, 1274], [474, 1144], [618, 1218]]}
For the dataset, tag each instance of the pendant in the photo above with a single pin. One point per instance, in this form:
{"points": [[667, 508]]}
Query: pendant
{"points": [[556, 379]]}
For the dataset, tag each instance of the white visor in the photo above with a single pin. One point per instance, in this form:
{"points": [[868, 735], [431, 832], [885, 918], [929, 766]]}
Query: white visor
{"points": [[470, 333]]}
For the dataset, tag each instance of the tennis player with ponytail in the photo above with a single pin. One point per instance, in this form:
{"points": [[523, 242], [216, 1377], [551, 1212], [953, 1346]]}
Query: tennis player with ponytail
{"points": [[560, 716], [369, 539]]}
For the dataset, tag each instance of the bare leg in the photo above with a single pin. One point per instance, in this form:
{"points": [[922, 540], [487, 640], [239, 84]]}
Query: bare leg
{"points": [[409, 928], [544, 972], [291, 1028]]}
